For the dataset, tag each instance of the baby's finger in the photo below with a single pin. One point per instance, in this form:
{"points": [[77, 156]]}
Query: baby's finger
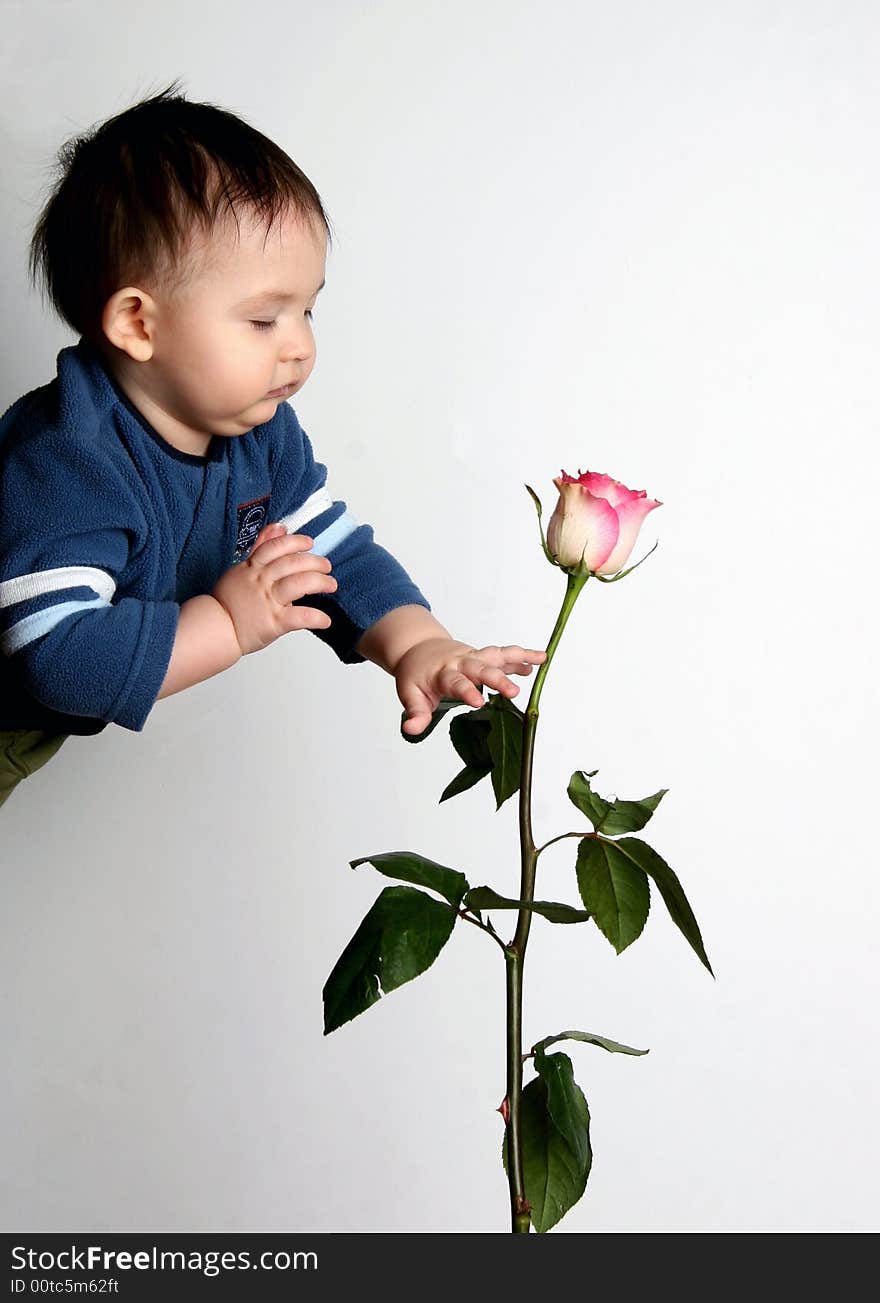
{"points": [[418, 708], [267, 532], [275, 527], [515, 655], [494, 677], [455, 683], [515, 667], [283, 547], [525, 658], [510, 658]]}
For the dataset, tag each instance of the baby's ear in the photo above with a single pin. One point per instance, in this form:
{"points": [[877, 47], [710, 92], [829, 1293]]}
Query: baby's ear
{"points": [[128, 321]]}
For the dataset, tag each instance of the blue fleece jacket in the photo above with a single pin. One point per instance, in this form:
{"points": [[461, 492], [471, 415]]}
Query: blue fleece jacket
{"points": [[105, 529]]}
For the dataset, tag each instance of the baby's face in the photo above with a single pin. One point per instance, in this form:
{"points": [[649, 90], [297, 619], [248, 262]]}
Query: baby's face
{"points": [[236, 339]]}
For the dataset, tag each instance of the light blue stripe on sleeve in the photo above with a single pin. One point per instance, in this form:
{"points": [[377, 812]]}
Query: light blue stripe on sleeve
{"points": [[34, 626], [333, 535]]}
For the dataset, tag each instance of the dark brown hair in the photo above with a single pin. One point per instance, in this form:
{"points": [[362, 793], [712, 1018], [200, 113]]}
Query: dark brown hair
{"points": [[130, 191]]}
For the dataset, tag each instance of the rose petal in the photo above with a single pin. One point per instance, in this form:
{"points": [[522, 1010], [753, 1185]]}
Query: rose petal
{"points": [[630, 515], [581, 521], [603, 486]]}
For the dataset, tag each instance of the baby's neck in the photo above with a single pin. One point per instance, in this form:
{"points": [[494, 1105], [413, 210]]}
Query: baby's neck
{"points": [[174, 432]]}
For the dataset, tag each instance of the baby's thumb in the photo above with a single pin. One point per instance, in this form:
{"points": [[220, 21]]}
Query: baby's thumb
{"points": [[417, 708]]}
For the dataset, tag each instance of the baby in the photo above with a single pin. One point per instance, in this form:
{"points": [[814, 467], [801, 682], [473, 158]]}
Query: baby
{"points": [[153, 495]]}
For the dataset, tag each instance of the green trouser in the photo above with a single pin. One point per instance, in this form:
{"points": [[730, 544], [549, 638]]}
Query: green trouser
{"points": [[22, 752]]}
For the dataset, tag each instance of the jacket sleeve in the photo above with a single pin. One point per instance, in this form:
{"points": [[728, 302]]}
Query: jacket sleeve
{"points": [[371, 582], [80, 646]]}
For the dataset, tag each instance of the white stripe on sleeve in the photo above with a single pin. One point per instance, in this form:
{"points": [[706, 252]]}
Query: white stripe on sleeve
{"points": [[50, 581], [313, 506]]}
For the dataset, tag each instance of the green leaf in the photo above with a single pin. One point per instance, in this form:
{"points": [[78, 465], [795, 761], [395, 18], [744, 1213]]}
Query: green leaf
{"points": [[630, 816], [614, 1047], [442, 708], [469, 734], [670, 889], [400, 936], [611, 817], [489, 741], [464, 779], [566, 1104], [613, 889], [505, 746], [555, 1126], [407, 866], [586, 800], [486, 898]]}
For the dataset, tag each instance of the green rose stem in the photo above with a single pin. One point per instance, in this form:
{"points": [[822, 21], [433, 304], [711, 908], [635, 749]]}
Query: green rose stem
{"points": [[515, 952]]}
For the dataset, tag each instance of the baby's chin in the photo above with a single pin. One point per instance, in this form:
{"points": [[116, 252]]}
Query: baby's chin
{"points": [[265, 408], [257, 414]]}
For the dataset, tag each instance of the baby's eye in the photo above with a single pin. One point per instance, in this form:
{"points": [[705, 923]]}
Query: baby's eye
{"points": [[263, 325]]}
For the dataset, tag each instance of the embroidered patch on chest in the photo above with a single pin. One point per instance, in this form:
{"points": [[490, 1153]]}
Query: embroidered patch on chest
{"points": [[250, 519]]}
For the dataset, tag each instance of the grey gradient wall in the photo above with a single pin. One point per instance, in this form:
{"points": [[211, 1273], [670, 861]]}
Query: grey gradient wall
{"points": [[637, 238]]}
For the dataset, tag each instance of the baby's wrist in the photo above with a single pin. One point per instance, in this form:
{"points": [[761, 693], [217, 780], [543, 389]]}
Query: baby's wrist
{"points": [[390, 638], [226, 623]]}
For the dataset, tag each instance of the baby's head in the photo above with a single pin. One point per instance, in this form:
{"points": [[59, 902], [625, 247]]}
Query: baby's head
{"points": [[188, 249]]}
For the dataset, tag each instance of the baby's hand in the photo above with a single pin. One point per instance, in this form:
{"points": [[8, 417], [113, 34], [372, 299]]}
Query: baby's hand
{"points": [[257, 593], [443, 667]]}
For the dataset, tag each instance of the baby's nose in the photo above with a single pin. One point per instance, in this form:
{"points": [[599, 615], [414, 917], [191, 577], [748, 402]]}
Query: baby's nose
{"points": [[297, 350]]}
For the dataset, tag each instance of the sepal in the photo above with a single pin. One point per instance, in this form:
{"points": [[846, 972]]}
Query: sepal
{"points": [[612, 579], [537, 501]]}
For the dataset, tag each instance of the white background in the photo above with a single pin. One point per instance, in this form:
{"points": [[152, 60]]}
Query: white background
{"points": [[636, 238]]}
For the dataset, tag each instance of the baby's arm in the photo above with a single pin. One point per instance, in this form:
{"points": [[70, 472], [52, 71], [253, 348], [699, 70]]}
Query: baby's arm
{"points": [[428, 664], [386, 641], [385, 618], [83, 649], [372, 582], [205, 644], [249, 608], [75, 644]]}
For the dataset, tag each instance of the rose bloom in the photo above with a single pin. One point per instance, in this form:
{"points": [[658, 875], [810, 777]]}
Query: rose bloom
{"points": [[596, 522]]}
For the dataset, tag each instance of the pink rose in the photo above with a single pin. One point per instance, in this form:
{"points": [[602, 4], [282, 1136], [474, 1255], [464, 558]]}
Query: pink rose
{"points": [[596, 522]]}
